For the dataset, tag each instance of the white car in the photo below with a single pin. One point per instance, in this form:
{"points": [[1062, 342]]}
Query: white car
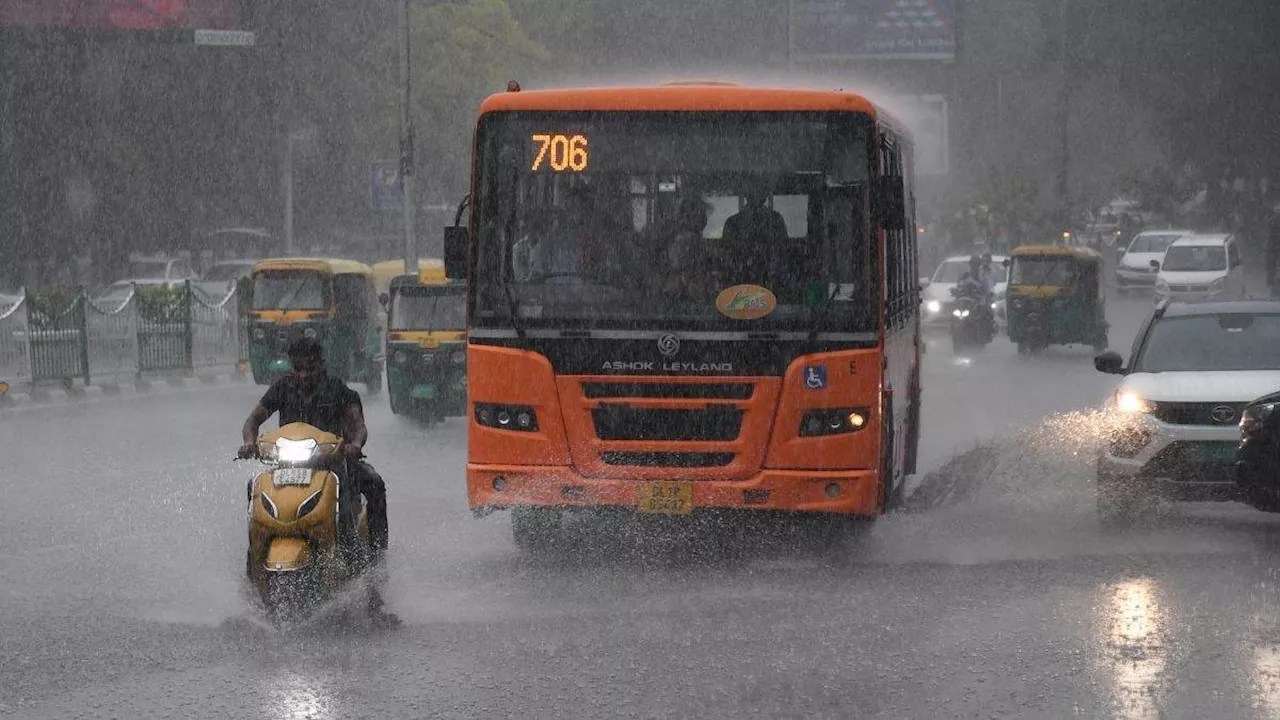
{"points": [[937, 291], [1173, 424], [221, 277], [1201, 268], [118, 292], [1134, 268]]}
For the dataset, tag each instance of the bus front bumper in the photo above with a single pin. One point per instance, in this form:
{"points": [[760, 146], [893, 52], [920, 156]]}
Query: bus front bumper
{"points": [[849, 492]]}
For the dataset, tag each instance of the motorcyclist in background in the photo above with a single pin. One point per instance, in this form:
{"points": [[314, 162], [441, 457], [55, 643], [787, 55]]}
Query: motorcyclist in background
{"points": [[979, 285]]}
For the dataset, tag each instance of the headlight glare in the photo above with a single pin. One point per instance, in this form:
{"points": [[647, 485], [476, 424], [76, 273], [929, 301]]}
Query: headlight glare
{"points": [[933, 306], [1131, 402], [295, 451]]}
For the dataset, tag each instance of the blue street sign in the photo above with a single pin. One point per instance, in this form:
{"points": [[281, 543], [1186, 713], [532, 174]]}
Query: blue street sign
{"points": [[873, 30], [386, 191]]}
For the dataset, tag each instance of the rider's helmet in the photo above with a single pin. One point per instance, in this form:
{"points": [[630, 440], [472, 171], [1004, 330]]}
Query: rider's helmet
{"points": [[986, 258], [975, 263]]}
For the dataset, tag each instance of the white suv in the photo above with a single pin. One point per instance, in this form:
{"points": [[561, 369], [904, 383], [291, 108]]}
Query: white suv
{"points": [[1173, 425], [1200, 268]]}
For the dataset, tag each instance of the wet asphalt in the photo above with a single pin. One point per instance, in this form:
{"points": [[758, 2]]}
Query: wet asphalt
{"points": [[992, 594]]}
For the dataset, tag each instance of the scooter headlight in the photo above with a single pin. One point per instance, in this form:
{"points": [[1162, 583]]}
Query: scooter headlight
{"points": [[295, 451], [960, 313]]}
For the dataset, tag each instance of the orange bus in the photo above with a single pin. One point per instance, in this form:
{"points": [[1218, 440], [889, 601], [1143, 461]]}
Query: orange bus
{"points": [[688, 297]]}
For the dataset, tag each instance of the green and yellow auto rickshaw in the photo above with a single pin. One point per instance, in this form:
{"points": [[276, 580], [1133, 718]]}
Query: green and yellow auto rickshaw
{"points": [[427, 345], [1056, 297], [332, 301]]}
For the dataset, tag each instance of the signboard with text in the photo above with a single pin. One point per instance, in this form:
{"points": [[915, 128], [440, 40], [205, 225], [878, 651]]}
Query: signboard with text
{"points": [[873, 30], [121, 14]]}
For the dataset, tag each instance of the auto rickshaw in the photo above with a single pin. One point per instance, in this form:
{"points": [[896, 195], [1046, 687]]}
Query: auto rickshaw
{"points": [[1056, 297], [332, 301], [427, 345], [387, 270]]}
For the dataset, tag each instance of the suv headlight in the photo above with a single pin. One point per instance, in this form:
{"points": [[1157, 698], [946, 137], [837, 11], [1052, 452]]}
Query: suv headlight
{"points": [[1254, 417], [1131, 402]]}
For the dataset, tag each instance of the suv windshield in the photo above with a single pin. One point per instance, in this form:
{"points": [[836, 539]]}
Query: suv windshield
{"points": [[424, 309], [1211, 342], [634, 220], [1195, 258], [290, 291]]}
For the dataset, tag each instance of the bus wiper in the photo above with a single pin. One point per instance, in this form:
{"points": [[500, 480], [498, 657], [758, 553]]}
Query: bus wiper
{"points": [[822, 313], [513, 309]]}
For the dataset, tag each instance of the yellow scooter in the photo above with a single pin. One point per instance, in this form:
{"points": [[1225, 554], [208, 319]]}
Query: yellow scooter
{"points": [[308, 527]]}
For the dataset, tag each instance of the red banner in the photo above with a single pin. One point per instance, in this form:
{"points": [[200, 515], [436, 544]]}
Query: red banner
{"points": [[121, 14]]}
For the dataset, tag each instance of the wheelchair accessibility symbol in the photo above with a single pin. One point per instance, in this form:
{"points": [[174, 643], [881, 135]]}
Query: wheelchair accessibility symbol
{"points": [[815, 377]]}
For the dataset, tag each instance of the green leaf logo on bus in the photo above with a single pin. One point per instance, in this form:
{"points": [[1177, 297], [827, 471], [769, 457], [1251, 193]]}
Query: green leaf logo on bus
{"points": [[746, 302]]}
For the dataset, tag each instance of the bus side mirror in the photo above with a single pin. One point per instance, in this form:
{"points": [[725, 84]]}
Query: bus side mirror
{"points": [[455, 252], [892, 203]]}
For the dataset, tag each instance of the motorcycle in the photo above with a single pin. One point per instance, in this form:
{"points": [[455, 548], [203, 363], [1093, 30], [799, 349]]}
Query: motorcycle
{"points": [[972, 320], [308, 530]]}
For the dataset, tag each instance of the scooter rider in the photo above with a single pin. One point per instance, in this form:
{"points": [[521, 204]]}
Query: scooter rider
{"points": [[979, 285], [311, 396]]}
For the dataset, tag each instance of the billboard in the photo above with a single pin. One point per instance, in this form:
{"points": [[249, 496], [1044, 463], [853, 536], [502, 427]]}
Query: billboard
{"points": [[926, 117], [121, 14], [873, 30]]}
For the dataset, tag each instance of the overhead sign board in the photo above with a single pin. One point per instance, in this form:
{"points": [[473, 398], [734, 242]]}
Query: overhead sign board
{"points": [[238, 38], [386, 190], [873, 30], [926, 117]]}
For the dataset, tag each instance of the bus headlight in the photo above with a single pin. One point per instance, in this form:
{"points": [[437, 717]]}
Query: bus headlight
{"points": [[820, 422], [517, 418]]}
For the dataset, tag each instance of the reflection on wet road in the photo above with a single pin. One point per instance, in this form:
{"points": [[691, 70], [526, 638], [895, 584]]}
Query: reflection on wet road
{"points": [[1000, 598]]}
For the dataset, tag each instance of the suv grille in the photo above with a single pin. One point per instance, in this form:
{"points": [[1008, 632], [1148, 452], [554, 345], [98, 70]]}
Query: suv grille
{"points": [[1177, 413], [620, 422]]}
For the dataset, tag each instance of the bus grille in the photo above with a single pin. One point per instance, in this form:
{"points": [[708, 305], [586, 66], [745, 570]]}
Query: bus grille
{"points": [[667, 459], [620, 422], [666, 391]]}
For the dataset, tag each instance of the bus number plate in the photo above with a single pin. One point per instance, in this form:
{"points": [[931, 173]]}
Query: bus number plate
{"points": [[667, 498]]}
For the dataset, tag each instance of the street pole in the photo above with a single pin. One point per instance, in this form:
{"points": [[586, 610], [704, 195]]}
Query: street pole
{"points": [[1064, 100], [288, 195], [406, 143]]}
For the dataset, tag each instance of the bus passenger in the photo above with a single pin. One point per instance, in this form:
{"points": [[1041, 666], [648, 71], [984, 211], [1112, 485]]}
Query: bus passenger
{"points": [[752, 236], [688, 263]]}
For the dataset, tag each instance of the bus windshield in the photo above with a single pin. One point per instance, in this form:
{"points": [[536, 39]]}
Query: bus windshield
{"points": [[709, 221], [422, 309], [290, 290]]}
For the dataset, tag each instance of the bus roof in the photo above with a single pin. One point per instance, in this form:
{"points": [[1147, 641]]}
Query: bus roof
{"points": [[706, 96], [330, 265]]}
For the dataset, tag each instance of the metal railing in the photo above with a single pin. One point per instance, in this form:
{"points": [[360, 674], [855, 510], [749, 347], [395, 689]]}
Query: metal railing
{"points": [[62, 335]]}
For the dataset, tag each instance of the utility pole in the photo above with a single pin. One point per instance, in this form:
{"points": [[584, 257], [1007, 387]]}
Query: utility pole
{"points": [[1064, 114], [406, 143]]}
